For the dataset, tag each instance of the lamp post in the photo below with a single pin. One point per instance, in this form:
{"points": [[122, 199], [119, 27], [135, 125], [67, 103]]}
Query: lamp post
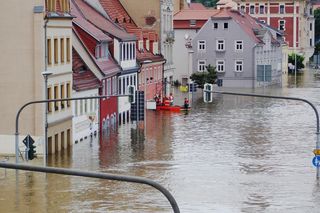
{"points": [[46, 75]]}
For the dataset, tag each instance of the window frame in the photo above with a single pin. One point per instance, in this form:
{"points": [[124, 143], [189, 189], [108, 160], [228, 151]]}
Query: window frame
{"points": [[236, 46], [199, 66], [282, 11], [218, 65], [202, 45], [254, 9], [284, 24], [261, 6], [218, 45], [236, 65]]}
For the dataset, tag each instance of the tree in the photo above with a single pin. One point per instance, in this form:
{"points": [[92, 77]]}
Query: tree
{"points": [[207, 3], [300, 59], [209, 76]]}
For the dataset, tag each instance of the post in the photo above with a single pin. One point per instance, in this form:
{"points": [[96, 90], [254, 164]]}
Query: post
{"points": [[295, 68], [45, 153]]}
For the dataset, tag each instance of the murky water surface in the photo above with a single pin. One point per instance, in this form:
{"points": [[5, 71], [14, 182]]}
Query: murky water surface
{"points": [[238, 154]]}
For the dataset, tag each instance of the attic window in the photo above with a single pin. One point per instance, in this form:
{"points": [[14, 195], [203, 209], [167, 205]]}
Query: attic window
{"points": [[116, 20], [82, 69], [124, 20], [215, 25], [193, 23], [225, 25]]}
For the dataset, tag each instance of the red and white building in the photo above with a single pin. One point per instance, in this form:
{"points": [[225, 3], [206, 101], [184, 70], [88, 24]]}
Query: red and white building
{"points": [[94, 62], [294, 18]]}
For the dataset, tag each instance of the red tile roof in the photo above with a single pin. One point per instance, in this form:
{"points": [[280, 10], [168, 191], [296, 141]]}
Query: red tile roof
{"points": [[102, 23], [117, 13], [83, 78], [195, 14], [197, 6], [87, 26]]}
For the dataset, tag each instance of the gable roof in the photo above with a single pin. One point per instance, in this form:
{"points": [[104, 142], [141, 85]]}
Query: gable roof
{"points": [[89, 28], [94, 17]]}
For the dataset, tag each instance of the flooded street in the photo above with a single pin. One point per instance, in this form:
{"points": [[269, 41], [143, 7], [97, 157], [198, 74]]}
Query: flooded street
{"points": [[237, 154]]}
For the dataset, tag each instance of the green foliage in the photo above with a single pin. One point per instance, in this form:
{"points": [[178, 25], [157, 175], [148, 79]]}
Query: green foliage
{"points": [[209, 76], [317, 49], [207, 3], [300, 58]]}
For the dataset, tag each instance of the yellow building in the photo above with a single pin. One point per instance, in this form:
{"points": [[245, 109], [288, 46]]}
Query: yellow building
{"points": [[25, 26]]}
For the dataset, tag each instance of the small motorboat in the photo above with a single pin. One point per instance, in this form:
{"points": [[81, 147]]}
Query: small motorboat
{"points": [[174, 108]]}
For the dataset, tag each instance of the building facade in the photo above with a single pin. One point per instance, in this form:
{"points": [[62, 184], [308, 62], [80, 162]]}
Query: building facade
{"points": [[187, 24], [245, 54], [294, 18]]}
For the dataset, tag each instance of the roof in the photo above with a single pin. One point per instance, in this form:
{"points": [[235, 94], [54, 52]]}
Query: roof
{"points": [[94, 17], [87, 26], [194, 14], [83, 78], [246, 22], [117, 13], [196, 6]]}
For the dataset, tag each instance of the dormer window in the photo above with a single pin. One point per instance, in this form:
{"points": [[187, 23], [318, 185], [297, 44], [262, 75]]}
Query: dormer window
{"points": [[65, 6], [102, 51], [51, 5]]}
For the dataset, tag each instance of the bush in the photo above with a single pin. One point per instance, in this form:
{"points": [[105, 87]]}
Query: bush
{"points": [[209, 76]]}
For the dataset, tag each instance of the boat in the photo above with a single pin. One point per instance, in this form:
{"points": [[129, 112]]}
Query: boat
{"points": [[175, 108]]}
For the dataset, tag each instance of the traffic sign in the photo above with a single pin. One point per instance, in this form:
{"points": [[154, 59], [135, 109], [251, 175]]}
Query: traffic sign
{"points": [[316, 151], [316, 161]]}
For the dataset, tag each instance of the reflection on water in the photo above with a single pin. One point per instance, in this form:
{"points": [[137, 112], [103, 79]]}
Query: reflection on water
{"points": [[238, 154]]}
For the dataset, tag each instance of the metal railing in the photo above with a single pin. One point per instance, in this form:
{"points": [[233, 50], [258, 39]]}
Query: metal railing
{"points": [[106, 176]]}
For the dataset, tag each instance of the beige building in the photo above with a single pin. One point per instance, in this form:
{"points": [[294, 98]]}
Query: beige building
{"points": [[23, 56]]}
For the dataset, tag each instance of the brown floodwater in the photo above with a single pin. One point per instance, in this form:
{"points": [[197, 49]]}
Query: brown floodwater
{"points": [[237, 154]]}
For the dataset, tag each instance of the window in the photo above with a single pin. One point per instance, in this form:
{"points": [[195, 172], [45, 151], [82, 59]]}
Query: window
{"points": [[282, 25], [215, 25], [243, 8], [261, 9], [262, 21], [225, 25], [56, 96], [238, 45], [51, 5], [62, 95], [201, 65], [65, 5], [49, 98], [281, 9], [311, 42], [220, 65], [220, 45], [49, 53], [238, 66], [68, 93], [310, 26], [68, 49], [201, 45], [193, 23], [62, 50], [56, 61], [251, 9]]}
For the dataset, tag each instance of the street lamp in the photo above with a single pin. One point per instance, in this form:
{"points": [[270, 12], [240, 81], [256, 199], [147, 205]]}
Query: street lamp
{"points": [[46, 74]]}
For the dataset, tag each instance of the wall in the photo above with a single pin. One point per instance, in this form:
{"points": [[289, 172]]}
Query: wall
{"points": [[234, 32], [22, 61]]}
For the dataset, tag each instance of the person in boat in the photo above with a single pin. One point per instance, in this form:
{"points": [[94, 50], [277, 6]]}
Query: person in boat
{"points": [[171, 99], [186, 103]]}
